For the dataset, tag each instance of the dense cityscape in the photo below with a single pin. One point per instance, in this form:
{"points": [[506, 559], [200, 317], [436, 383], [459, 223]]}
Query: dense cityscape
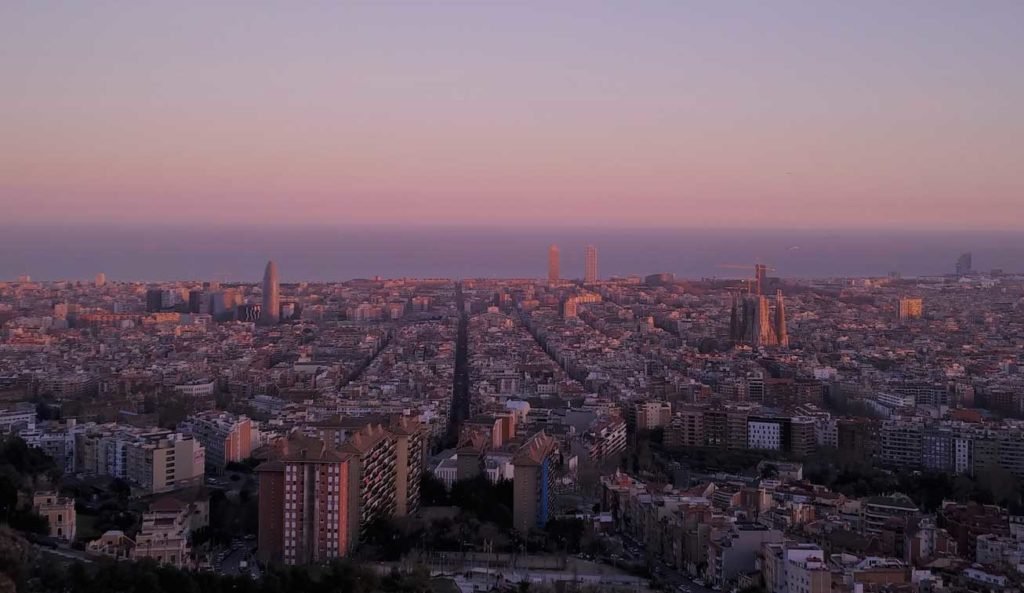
{"points": [[753, 433]]}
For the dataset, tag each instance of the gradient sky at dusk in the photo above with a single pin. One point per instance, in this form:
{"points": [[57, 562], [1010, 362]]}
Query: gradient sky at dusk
{"points": [[785, 114]]}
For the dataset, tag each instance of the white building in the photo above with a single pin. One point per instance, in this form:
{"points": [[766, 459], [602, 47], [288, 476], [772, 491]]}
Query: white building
{"points": [[196, 388], [764, 435]]}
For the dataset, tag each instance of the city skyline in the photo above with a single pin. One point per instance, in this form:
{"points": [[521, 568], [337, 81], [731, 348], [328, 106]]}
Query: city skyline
{"points": [[167, 254], [849, 115], [659, 296]]}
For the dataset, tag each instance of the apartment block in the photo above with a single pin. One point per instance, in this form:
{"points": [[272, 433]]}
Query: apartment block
{"points": [[227, 438], [304, 497], [533, 482], [162, 463], [372, 477]]}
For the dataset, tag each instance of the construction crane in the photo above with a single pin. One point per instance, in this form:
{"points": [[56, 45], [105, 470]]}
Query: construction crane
{"points": [[745, 267], [760, 274]]}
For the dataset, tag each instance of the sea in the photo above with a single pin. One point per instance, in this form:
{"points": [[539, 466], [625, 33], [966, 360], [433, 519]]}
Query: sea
{"points": [[336, 253]]}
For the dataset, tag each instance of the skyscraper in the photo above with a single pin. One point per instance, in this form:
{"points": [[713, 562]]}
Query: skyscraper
{"points": [[270, 313], [101, 279], [590, 265], [553, 264], [964, 264]]}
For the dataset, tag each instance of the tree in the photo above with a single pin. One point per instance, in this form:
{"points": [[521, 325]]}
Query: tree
{"points": [[28, 521], [487, 501], [432, 490], [8, 496], [566, 534]]}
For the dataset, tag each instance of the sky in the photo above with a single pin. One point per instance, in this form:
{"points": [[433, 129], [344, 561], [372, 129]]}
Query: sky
{"points": [[816, 114]]}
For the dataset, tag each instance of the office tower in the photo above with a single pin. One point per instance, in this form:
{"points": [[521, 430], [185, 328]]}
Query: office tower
{"points": [[533, 482], [153, 300], [195, 301], [964, 264], [270, 313], [760, 278], [911, 308], [372, 476], [304, 496], [160, 300], [781, 334], [590, 265], [222, 304], [554, 270], [101, 280]]}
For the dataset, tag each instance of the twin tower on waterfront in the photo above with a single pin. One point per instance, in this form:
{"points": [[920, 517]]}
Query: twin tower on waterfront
{"points": [[589, 265]]}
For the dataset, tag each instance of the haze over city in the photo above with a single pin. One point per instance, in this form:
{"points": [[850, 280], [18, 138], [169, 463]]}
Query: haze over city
{"points": [[655, 114], [465, 296]]}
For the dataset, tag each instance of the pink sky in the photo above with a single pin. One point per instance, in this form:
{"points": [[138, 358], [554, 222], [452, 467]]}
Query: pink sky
{"points": [[641, 114]]}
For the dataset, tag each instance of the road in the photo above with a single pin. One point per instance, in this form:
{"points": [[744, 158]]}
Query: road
{"points": [[589, 573], [460, 389], [677, 580], [231, 563]]}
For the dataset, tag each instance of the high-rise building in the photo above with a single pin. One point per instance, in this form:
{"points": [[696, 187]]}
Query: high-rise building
{"points": [[911, 308], [964, 264], [305, 492], [270, 313], [372, 476], [554, 270], [101, 280], [410, 456], [222, 304], [154, 300], [590, 265], [533, 482], [195, 301]]}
